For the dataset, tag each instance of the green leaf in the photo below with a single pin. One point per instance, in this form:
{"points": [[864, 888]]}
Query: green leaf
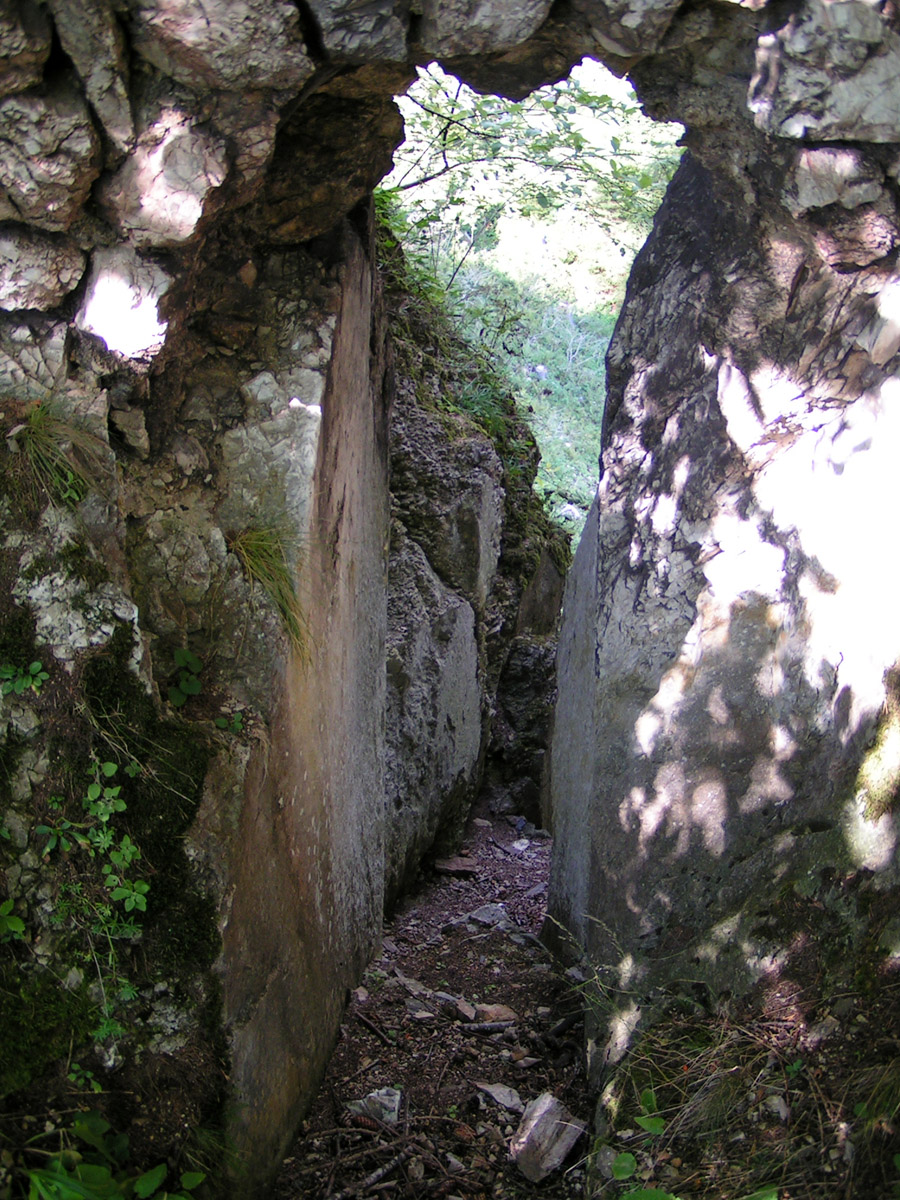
{"points": [[148, 1183], [192, 1179], [654, 1125], [189, 684], [109, 769], [35, 667], [624, 1166], [91, 1127], [766, 1193], [649, 1194], [648, 1101], [184, 658], [176, 697], [94, 792]]}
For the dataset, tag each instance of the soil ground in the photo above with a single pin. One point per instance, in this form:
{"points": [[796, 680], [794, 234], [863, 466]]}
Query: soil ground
{"points": [[791, 1094], [519, 1026]]}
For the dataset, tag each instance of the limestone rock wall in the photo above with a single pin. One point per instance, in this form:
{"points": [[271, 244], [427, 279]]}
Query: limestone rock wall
{"points": [[187, 289], [189, 302], [727, 653]]}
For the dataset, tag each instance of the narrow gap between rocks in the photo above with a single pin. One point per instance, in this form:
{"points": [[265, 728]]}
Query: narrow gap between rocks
{"points": [[460, 1023]]}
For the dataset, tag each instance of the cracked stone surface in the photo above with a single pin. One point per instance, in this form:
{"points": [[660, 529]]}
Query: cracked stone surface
{"points": [[157, 196], [35, 271], [49, 156]]}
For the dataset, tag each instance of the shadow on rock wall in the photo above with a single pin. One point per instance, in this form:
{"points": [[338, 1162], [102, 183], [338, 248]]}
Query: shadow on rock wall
{"points": [[727, 626]]}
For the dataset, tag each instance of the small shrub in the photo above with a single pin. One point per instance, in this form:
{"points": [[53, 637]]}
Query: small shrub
{"points": [[189, 666], [22, 679], [11, 927]]}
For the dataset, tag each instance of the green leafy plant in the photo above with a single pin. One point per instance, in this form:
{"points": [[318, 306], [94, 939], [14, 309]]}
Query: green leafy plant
{"points": [[624, 1166], [649, 1121], [263, 554], [12, 928], [189, 666], [83, 1079], [233, 724], [102, 909], [92, 1164], [22, 679]]}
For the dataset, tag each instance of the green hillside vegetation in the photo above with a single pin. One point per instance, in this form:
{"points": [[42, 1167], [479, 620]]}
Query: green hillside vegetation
{"points": [[527, 215]]}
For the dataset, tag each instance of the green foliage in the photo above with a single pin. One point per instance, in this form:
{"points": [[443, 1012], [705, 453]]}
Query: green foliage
{"points": [[563, 145], [470, 162], [86, 906], [624, 1166], [263, 554], [11, 926], [189, 666], [233, 724], [40, 1021], [83, 1079], [91, 1163], [22, 679]]}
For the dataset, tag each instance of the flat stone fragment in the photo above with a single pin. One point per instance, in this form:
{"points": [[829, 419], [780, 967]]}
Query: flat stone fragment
{"points": [[491, 914], [496, 1012], [24, 45], [383, 1105], [546, 1134], [456, 866], [130, 423], [224, 43], [36, 271], [506, 1097], [48, 156]]}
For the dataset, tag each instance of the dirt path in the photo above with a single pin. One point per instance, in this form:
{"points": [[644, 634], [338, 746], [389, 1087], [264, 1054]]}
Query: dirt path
{"points": [[465, 1017]]}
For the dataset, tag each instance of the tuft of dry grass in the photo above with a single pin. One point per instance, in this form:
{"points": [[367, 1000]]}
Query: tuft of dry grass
{"points": [[262, 551], [58, 458]]}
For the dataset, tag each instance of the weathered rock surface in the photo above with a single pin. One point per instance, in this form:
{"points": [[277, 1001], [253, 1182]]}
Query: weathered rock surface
{"points": [[91, 36], [48, 156], [717, 685], [434, 710], [717, 690], [24, 45], [458, 525], [36, 271], [157, 196], [224, 45]]}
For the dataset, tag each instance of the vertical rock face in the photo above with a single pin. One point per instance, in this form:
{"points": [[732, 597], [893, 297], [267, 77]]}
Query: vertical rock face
{"points": [[727, 650], [190, 312], [469, 561]]}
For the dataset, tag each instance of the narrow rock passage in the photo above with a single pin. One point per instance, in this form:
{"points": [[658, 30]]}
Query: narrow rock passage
{"points": [[466, 1018]]}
